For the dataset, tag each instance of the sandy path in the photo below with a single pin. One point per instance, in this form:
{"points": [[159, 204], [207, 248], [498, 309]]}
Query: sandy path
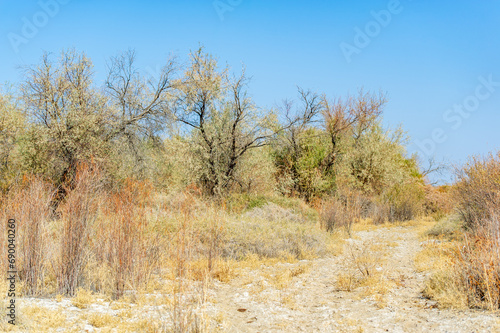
{"points": [[312, 302]]}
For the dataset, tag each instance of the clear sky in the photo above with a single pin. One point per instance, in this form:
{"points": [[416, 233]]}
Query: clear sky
{"points": [[438, 61]]}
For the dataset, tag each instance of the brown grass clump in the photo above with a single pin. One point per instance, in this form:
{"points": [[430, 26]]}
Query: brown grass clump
{"points": [[466, 269], [82, 299], [365, 271], [100, 320]]}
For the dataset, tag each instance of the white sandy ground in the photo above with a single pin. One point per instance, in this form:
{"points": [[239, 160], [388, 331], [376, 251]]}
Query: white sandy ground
{"points": [[312, 301], [320, 307]]}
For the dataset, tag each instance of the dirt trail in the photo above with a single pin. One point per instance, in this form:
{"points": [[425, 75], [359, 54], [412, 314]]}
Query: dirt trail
{"points": [[312, 301]]}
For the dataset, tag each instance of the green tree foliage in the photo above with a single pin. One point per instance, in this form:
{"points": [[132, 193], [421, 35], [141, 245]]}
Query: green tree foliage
{"points": [[301, 148]]}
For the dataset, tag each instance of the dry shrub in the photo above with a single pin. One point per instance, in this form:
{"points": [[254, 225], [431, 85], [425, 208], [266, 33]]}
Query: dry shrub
{"points": [[477, 262], [438, 201], [123, 247], [364, 269], [28, 203], [381, 213], [79, 213], [183, 308], [341, 212], [405, 201], [477, 191], [468, 275], [479, 267], [473, 276], [364, 258]]}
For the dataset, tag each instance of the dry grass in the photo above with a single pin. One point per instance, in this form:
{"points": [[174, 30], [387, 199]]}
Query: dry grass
{"points": [[36, 319], [82, 299], [100, 320], [449, 227], [347, 281], [281, 278], [437, 257], [478, 265], [125, 242], [465, 273], [283, 235], [365, 270]]}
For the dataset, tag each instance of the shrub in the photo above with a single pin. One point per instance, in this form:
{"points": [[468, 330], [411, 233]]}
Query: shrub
{"points": [[341, 211], [476, 264], [12, 127], [28, 203], [438, 202], [405, 201], [477, 190], [122, 247], [79, 212], [479, 269]]}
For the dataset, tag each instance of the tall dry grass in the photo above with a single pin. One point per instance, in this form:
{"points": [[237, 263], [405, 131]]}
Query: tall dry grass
{"points": [[479, 267]]}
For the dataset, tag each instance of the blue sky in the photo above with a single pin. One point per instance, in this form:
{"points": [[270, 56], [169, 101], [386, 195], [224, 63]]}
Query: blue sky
{"points": [[432, 58]]}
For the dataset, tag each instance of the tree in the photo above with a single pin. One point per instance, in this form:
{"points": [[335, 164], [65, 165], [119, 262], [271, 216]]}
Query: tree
{"points": [[375, 161], [73, 120], [351, 117], [141, 107], [68, 115], [223, 122], [307, 152], [300, 148]]}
